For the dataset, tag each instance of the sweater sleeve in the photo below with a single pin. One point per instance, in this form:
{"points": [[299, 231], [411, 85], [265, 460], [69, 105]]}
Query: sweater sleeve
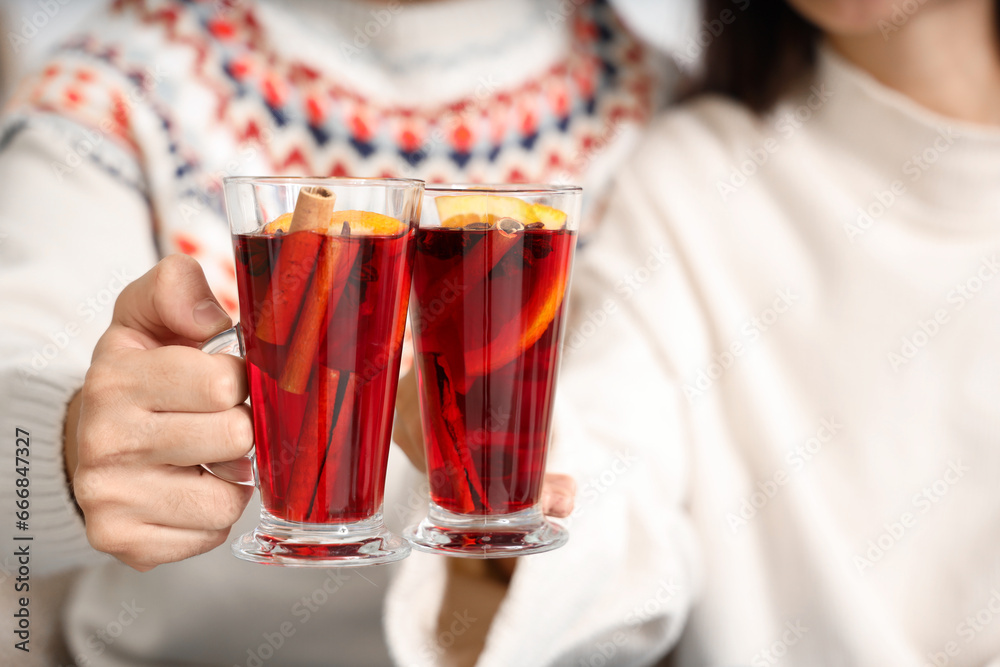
{"points": [[71, 238], [619, 592]]}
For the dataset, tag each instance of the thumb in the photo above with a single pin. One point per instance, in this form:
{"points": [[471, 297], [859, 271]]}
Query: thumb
{"points": [[170, 301]]}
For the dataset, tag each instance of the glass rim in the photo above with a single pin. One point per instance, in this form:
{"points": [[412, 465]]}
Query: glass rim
{"points": [[502, 188], [322, 180]]}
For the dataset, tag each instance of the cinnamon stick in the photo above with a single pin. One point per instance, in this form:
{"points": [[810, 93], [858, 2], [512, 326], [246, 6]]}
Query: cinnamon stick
{"points": [[448, 424], [294, 265], [329, 476], [313, 209], [336, 257], [324, 424]]}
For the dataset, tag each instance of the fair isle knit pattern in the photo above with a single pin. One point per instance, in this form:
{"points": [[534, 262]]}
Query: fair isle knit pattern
{"points": [[171, 96]]}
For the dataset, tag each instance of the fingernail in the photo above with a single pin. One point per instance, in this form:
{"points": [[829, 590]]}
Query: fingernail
{"points": [[210, 314], [561, 505]]}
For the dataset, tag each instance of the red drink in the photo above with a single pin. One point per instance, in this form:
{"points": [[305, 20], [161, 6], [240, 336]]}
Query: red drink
{"points": [[322, 318], [487, 320]]}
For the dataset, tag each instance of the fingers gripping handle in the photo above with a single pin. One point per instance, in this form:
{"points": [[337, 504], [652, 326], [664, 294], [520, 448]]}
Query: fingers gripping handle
{"points": [[242, 471], [229, 341]]}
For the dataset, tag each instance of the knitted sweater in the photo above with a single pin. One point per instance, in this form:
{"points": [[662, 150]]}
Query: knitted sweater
{"points": [[170, 97], [112, 156], [781, 400]]}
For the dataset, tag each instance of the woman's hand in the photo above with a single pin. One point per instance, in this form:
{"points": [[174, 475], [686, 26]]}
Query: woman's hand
{"points": [[558, 491], [152, 408]]}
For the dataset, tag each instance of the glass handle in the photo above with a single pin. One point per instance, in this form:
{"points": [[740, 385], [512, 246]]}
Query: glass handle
{"points": [[242, 471]]}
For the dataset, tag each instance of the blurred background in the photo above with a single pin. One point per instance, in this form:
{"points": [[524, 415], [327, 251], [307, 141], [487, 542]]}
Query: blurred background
{"points": [[29, 30]]}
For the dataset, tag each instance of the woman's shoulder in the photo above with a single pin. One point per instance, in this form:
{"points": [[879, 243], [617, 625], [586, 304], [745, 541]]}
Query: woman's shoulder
{"points": [[703, 131], [691, 151]]}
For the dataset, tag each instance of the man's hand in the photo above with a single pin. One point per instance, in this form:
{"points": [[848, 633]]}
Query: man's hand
{"points": [[152, 408]]}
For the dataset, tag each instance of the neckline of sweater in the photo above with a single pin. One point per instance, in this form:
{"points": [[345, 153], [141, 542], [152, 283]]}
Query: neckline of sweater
{"points": [[942, 163], [414, 40]]}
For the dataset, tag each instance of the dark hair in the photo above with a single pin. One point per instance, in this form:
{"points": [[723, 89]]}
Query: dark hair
{"points": [[759, 54], [763, 48]]}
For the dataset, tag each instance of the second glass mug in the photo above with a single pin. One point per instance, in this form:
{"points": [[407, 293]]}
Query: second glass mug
{"points": [[490, 281], [323, 294]]}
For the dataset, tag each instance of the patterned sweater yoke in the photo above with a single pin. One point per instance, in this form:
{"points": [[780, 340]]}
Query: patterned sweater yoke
{"points": [[171, 96]]}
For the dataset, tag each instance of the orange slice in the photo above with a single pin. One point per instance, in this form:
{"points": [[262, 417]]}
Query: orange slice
{"points": [[299, 258], [521, 333], [365, 223], [461, 210], [279, 224], [552, 218]]}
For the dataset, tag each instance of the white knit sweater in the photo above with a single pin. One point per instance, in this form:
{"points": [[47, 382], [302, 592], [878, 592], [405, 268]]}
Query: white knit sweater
{"points": [[782, 401]]}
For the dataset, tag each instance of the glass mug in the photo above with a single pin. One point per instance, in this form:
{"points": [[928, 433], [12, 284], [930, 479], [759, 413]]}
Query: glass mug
{"points": [[323, 269], [490, 280]]}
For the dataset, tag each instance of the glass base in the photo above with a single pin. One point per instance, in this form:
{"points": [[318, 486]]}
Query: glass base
{"points": [[485, 536], [278, 542]]}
